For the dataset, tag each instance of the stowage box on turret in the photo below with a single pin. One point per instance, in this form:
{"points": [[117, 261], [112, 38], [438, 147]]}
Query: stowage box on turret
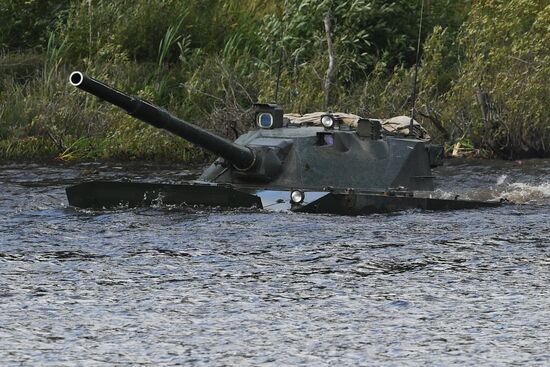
{"points": [[320, 162]]}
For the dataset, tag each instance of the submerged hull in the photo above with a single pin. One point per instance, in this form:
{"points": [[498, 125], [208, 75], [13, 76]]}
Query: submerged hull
{"points": [[105, 194], [361, 204]]}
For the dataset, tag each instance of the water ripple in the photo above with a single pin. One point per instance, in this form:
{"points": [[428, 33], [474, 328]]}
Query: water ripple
{"points": [[166, 286]]}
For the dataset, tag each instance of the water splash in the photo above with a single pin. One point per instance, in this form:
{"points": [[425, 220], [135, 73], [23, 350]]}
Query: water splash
{"points": [[520, 192], [501, 179]]}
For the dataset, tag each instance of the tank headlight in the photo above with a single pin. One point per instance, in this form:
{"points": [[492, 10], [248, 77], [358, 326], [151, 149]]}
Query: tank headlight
{"points": [[265, 120], [327, 121], [297, 197]]}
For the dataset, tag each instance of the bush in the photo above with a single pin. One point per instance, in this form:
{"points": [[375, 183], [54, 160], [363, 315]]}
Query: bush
{"points": [[25, 24], [501, 97]]}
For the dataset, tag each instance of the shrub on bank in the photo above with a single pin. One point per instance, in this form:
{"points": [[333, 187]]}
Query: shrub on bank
{"points": [[501, 95]]}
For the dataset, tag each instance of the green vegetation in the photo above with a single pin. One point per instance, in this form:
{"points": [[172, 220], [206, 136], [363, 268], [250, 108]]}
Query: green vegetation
{"points": [[483, 76]]}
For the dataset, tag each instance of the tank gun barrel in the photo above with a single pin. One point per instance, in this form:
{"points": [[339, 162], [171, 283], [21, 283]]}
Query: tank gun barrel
{"points": [[240, 156]]}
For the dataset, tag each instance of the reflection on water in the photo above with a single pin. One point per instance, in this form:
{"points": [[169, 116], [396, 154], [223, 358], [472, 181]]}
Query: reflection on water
{"points": [[189, 286]]}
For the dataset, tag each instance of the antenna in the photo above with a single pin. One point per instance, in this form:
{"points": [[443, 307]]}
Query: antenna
{"points": [[281, 46], [278, 76], [413, 111]]}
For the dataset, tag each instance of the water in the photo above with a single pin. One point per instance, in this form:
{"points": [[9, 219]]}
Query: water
{"points": [[165, 286]]}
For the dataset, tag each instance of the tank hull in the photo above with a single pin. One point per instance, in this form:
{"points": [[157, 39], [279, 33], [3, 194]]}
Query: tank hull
{"points": [[105, 194]]}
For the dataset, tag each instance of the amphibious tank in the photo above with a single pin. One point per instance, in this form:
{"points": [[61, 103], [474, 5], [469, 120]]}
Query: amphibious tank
{"points": [[317, 163]]}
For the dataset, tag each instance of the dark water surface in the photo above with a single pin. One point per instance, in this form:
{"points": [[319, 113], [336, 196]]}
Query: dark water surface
{"points": [[164, 286]]}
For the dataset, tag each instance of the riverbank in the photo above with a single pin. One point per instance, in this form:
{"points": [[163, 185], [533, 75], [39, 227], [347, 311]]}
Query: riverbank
{"points": [[162, 148], [482, 73], [146, 144], [47, 150]]}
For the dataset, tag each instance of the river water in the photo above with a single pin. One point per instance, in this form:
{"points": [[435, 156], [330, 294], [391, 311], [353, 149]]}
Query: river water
{"points": [[165, 286]]}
